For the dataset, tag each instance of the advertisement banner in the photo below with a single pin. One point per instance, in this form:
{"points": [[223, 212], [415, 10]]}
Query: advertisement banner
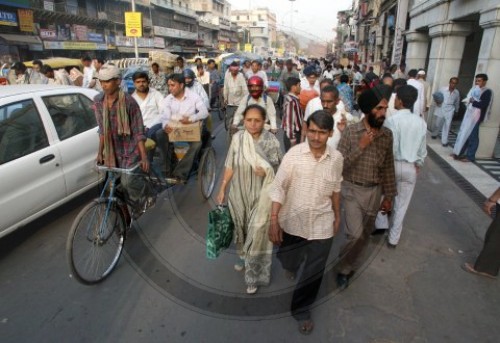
{"points": [[25, 20], [248, 47], [48, 6], [222, 47], [71, 45], [48, 34], [63, 32], [133, 24], [95, 37], [81, 32], [8, 18]]}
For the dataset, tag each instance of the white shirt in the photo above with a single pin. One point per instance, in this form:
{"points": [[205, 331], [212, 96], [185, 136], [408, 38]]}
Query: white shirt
{"points": [[88, 76], [304, 187], [150, 107], [198, 89], [190, 106], [335, 139], [390, 106], [451, 102], [328, 74], [304, 85], [315, 105], [235, 89], [409, 136], [205, 79], [418, 107]]}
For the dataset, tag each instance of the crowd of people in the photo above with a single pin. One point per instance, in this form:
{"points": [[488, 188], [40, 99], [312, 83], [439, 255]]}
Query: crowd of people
{"points": [[352, 139]]}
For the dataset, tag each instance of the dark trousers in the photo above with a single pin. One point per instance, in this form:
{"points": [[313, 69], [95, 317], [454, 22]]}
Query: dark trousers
{"points": [[151, 133], [488, 260], [286, 140], [292, 252]]}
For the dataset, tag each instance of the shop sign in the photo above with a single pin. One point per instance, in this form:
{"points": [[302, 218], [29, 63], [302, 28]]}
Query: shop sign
{"points": [[25, 20], [72, 45], [35, 47], [64, 32], [48, 6], [95, 37], [48, 34], [133, 24], [81, 32], [8, 18], [145, 42], [168, 32], [124, 41], [248, 47], [159, 42], [222, 47]]}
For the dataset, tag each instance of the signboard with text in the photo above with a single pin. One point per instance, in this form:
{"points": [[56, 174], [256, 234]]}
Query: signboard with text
{"points": [[133, 24], [8, 18], [72, 45], [25, 20], [248, 47]]}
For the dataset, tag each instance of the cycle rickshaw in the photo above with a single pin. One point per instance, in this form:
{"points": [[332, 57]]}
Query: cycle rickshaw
{"points": [[98, 233]]}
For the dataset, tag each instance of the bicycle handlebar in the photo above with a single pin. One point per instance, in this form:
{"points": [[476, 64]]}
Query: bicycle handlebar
{"points": [[101, 167]]}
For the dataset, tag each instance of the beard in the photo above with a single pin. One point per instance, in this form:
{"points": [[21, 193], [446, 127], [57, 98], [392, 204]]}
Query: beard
{"points": [[374, 122]]}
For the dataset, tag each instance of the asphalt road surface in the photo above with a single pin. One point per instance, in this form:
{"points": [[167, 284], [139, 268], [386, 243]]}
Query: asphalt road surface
{"points": [[165, 290]]}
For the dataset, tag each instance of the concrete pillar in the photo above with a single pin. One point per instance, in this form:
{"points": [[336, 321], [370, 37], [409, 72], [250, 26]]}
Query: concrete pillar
{"points": [[447, 48], [416, 51], [489, 63]]}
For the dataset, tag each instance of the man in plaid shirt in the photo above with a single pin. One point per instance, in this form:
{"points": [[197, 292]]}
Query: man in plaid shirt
{"points": [[292, 114], [368, 174]]}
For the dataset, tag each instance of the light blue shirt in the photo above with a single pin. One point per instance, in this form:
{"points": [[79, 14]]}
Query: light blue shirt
{"points": [[409, 132]]}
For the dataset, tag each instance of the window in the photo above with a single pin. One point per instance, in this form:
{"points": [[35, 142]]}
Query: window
{"points": [[21, 131], [71, 113]]}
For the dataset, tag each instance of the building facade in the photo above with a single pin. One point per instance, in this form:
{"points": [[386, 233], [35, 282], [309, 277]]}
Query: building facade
{"points": [[261, 25]]}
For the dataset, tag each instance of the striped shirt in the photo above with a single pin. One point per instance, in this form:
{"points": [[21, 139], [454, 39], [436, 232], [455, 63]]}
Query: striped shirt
{"points": [[304, 187], [292, 116]]}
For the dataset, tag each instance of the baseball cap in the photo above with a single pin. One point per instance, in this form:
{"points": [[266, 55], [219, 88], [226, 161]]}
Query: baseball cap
{"points": [[108, 72]]}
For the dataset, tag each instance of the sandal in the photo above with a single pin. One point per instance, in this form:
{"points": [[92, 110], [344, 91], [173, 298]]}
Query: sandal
{"points": [[306, 327], [469, 268]]}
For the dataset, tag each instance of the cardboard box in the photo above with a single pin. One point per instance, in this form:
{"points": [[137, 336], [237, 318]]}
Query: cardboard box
{"points": [[185, 132]]}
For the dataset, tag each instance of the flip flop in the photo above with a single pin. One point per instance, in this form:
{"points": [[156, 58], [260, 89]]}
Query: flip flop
{"points": [[470, 269], [306, 327]]}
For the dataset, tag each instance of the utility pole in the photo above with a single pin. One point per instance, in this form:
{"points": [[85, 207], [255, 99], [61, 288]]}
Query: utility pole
{"points": [[136, 49]]}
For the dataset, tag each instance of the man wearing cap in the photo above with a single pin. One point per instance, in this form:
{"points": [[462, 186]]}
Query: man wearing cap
{"points": [[421, 77], [369, 177], [121, 132]]}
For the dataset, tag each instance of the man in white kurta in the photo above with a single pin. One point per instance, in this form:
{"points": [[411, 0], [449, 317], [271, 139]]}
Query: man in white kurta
{"points": [[444, 115], [410, 149], [419, 106]]}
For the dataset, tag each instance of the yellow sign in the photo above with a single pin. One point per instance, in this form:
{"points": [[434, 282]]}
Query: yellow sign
{"points": [[25, 20], [281, 51], [248, 47], [222, 47], [133, 24]]}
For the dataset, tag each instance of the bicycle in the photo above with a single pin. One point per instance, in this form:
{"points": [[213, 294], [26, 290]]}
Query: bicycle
{"points": [[98, 233]]}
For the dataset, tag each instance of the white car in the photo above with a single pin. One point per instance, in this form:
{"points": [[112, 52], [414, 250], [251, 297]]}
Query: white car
{"points": [[48, 145]]}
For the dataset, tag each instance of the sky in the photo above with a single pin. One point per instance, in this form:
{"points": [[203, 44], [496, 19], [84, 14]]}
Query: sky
{"points": [[316, 17]]}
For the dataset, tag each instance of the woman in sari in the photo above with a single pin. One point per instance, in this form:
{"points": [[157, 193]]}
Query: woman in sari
{"points": [[251, 163]]}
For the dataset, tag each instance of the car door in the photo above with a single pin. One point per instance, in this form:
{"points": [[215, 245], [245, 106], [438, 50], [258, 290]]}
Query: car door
{"points": [[30, 169], [76, 128]]}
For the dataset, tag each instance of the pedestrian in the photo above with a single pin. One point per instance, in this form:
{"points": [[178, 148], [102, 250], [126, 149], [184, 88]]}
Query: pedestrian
{"points": [[23, 75], [193, 85], [479, 101], [179, 65], [252, 160], [409, 149], [346, 94], [288, 71], [419, 106], [305, 213], [185, 107], [328, 73], [203, 77], [329, 100], [387, 80], [257, 96], [247, 67], [149, 101], [488, 262], [421, 77], [89, 74], [215, 80], [309, 86], [235, 91], [51, 77], [256, 70], [292, 114], [445, 111], [392, 109], [157, 79], [368, 178], [121, 134], [400, 72]]}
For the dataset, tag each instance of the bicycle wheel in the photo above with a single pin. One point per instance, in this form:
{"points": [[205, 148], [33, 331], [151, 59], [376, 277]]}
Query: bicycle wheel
{"points": [[96, 240], [206, 173]]}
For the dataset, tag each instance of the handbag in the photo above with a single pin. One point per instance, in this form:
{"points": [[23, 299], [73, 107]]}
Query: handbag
{"points": [[220, 231]]}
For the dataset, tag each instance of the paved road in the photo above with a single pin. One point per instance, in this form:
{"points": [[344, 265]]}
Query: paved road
{"points": [[165, 290]]}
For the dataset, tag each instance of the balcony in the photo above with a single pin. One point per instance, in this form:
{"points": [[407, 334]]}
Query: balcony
{"points": [[169, 5]]}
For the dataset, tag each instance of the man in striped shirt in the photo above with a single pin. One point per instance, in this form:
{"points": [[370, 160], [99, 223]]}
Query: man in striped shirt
{"points": [[292, 114]]}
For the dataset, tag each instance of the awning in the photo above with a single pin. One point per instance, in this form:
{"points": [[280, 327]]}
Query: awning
{"points": [[20, 39]]}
